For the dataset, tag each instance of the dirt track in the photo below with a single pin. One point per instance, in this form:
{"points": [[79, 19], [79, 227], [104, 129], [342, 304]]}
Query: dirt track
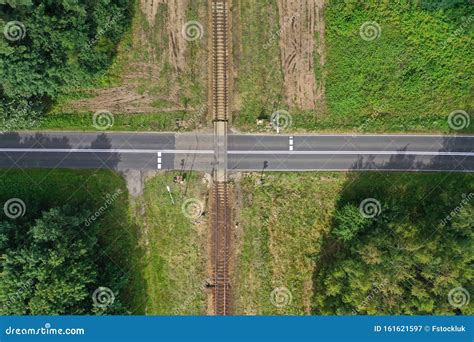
{"points": [[149, 67], [300, 22]]}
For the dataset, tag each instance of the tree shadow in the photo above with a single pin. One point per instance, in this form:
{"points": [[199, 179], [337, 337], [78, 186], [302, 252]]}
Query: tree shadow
{"points": [[43, 181], [55, 160], [404, 260]]}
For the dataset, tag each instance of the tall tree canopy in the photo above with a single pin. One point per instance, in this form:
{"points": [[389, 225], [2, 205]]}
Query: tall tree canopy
{"points": [[48, 45], [414, 256], [49, 266]]}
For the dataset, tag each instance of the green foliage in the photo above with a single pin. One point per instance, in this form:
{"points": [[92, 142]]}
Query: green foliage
{"points": [[54, 258], [54, 255], [409, 258], [409, 79], [15, 3], [349, 222], [260, 74], [64, 44], [122, 122], [283, 221], [175, 271], [304, 231]]}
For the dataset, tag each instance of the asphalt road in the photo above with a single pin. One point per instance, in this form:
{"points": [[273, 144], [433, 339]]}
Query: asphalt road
{"points": [[168, 151]]}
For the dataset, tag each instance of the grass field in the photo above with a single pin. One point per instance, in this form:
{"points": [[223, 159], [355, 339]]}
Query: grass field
{"points": [[409, 79], [122, 122], [288, 244], [284, 223], [260, 77], [174, 265], [158, 251]]}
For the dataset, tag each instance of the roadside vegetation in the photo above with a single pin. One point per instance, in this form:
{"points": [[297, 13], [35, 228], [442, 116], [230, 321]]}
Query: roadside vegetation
{"points": [[121, 122], [55, 256], [138, 256], [174, 264], [304, 233], [284, 221], [158, 69], [128, 58], [417, 70], [53, 46], [256, 60]]}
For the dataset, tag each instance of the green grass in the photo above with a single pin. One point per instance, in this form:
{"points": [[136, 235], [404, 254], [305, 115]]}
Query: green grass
{"points": [[159, 253], [410, 79], [175, 261], [284, 222], [122, 122], [287, 242], [257, 60]]}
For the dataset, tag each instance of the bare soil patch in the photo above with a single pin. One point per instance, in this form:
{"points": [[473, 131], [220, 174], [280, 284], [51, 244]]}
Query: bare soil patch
{"points": [[153, 68], [301, 21]]}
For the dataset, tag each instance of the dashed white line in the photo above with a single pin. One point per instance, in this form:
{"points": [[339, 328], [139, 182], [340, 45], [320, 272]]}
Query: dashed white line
{"points": [[266, 152], [159, 160], [291, 143]]}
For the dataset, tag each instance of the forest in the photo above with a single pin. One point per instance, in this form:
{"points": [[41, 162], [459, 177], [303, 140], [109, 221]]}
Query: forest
{"points": [[65, 243], [52, 46]]}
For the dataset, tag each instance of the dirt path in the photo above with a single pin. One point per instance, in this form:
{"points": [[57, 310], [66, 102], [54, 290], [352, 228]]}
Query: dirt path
{"points": [[300, 22], [159, 43], [149, 9]]}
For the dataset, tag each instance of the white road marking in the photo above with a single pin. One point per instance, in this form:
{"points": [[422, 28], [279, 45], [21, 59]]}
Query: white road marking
{"points": [[159, 160], [131, 151], [291, 143], [95, 150], [398, 153]]}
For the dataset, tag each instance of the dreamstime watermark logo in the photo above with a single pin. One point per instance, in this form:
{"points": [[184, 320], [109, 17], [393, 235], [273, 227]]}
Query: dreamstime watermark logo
{"points": [[192, 30], [108, 202], [289, 22], [459, 119], [466, 199], [18, 294], [370, 31], [195, 120], [14, 208], [20, 115], [466, 22], [366, 124], [281, 119], [370, 208], [281, 297], [46, 330], [377, 288], [103, 297], [102, 31], [14, 31], [192, 208], [458, 297], [103, 120]]}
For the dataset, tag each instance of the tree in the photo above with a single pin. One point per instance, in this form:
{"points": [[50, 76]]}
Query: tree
{"points": [[349, 222], [51, 46], [415, 258], [49, 266]]}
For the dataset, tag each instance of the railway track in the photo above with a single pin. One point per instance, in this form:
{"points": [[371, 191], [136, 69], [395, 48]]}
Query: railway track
{"points": [[220, 59], [220, 234], [221, 250]]}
